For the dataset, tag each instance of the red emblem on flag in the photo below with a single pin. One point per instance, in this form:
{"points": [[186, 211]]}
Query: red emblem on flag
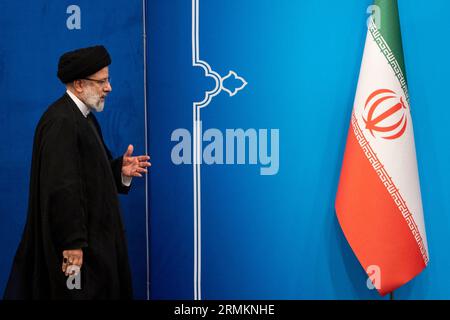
{"points": [[385, 114]]}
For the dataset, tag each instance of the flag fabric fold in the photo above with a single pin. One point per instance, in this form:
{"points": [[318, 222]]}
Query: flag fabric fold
{"points": [[378, 202]]}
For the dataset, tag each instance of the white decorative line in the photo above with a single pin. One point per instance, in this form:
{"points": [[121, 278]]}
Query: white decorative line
{"points": [[196, 121], [236, 90]]}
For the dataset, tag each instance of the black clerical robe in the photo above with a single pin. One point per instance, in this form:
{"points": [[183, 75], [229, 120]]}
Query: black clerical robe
{"points": [[73, 203]]}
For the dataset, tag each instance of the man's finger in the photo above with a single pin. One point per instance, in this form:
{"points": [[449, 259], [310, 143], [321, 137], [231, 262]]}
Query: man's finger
{"points": [[138, 169], [145, 164], [76, 261], [143, 158], [129, 151], [141, 170]]}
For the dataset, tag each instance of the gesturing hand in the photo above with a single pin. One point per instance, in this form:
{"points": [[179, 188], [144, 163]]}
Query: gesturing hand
{"points": [[72, 261], [133, 166]]}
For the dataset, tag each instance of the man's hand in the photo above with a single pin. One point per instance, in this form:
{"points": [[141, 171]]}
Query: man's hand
{"points": [[134, 166], [72, 258]]}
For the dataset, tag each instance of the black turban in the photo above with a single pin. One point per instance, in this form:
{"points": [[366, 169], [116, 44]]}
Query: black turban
{"points": [[81, 63]]}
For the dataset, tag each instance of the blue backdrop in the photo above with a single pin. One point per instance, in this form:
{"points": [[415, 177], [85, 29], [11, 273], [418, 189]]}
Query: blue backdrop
{"points": [[296, 66]]}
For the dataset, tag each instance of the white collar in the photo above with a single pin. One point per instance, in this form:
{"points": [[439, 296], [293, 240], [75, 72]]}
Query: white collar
{"points": [[80, 104]]}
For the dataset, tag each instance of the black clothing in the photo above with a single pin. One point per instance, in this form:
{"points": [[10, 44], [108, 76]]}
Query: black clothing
{"points": [[73, 203]]}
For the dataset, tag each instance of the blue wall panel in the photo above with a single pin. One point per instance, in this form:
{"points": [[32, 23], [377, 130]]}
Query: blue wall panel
{"points": [[33, 35], [263, 237]]}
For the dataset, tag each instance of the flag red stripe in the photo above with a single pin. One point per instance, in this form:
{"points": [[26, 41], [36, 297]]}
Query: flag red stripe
{"points": [[372, 222]]}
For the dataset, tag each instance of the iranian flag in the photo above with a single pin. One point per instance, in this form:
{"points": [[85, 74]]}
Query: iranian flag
{"points": [[378, 202]]}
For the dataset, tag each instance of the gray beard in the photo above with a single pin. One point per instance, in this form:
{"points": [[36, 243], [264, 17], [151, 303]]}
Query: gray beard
{"points": [[94, 103], [97, 107]]}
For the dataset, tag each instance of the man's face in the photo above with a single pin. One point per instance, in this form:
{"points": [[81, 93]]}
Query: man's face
{"points": [[96, 88]]}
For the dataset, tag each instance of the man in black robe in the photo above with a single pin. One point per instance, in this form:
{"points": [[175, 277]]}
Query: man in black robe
{"points": [[74, 226]]}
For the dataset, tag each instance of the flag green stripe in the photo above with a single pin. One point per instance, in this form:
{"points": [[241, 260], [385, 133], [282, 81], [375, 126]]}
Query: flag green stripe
{"points": [[390, 29]]}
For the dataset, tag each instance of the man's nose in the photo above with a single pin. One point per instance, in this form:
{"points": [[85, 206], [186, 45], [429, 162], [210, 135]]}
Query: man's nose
{"points": [[108, 87]]}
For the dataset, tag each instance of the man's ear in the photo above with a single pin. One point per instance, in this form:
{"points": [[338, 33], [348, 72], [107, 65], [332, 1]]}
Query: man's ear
{"points": [[78, 86]]}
